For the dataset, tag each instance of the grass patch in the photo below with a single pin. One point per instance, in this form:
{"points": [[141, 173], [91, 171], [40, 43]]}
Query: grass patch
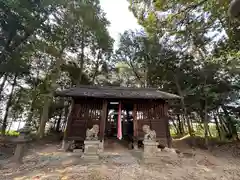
{"points": [[198, 130], [11, 133]]}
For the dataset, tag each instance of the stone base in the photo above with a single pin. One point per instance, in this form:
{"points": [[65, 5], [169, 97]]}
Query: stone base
{"points": [[150, 149], [150, 160], [78, 151], [91, 150], [90, 157]]}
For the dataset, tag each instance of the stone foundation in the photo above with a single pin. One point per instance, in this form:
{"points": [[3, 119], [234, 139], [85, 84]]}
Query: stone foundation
{"points": [[91, 150], [150, 151]]}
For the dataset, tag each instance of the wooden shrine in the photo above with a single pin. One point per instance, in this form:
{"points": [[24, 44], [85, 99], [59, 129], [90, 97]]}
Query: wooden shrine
{"points": [[99, 105]]}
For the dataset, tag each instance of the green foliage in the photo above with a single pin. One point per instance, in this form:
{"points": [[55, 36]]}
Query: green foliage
{"points": [[39, 39], [203, 46]]}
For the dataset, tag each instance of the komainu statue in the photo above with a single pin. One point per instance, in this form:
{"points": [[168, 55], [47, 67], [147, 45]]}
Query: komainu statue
{"points": [[150, 135], [92, 134]]}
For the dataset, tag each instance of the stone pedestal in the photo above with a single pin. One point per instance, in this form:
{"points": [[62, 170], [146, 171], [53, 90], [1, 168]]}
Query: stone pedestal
{"points": [[21, 142], [91, 150], [150, 151]]}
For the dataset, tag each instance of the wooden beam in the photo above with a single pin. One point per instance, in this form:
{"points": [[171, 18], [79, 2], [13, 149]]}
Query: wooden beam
{"points": [[103, 119]]}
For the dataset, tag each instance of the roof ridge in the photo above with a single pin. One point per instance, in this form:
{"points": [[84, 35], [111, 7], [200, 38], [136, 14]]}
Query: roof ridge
{"points": [[113, 87], [116, 92]]}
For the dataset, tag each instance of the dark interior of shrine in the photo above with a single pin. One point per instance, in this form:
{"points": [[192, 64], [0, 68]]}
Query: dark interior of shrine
{"points": [[126, 120]]}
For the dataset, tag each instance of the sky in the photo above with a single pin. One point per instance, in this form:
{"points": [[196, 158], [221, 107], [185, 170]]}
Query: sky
{"points": [[120, 17]]}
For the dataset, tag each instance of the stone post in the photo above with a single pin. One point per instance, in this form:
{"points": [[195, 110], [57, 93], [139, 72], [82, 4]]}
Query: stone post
{"points": [[150, 150], [21, 141], [91, 149]]}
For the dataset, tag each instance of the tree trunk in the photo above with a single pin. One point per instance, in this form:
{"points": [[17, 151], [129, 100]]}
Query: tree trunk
{"points": [[9, 128], [190, 131], [19, 125], [217, 126], [223, 125], [96, 68], [66, 109], [59, 122], [206, 124], [44, 117], [176, 127], [191, 123], [209, 132], [231, 124], [48, 97], [55, 122], [14, 117], [79, 80], [68, 113], [9, 103], [2, 85], [30, 115], [180, 125]]}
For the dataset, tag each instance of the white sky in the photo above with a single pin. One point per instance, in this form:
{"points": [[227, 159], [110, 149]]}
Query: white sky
{"points": [[120, 17]]}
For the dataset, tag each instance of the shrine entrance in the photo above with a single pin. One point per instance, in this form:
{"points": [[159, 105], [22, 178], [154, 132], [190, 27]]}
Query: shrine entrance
{"points": [[119, 124], [120, 113]]}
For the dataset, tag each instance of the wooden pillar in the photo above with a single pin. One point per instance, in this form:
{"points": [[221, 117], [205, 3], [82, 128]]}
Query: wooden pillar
{"points": [[165, 108], [135, 125], [166, 119], [103, 119]]}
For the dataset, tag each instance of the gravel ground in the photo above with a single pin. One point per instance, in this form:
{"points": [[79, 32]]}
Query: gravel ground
{"points": [[49, 164]]}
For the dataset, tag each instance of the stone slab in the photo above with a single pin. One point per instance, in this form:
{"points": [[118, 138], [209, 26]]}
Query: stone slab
{"points": [[90, 158], [150, 143], [150, 151], [152, 160], [91, 150], [88, 142], [78, 151]]}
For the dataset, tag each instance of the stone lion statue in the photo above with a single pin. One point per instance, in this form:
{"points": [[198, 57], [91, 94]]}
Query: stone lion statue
{"points": [[92, 134], [149, 134]]}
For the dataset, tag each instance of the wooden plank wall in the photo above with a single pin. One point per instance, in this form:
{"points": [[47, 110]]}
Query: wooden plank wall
{"points": [[152, 114], [84, 115]]}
